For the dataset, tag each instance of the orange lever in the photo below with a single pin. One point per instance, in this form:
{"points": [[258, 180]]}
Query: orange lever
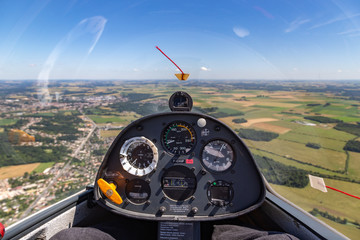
{"points": [[109, 189]]}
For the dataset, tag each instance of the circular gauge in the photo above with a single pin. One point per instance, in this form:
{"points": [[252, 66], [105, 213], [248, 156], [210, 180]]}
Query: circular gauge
{"points": [[179, 138], [217, 156], [180, 101], [220, 193], [138, 156], [178, 183], [137, 191]]}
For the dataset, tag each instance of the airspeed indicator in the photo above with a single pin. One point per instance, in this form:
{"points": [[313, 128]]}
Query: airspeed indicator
{"points": [[179, 138]]}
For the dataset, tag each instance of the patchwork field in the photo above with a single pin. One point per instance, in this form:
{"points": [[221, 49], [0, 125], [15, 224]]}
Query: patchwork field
{"points": [[258, 120], [333, 202], [109, 133], [274, 110], [17, 170]]}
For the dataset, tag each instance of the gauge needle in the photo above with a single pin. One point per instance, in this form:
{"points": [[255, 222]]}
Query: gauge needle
{"points": [[170, 141], [214, 152]]}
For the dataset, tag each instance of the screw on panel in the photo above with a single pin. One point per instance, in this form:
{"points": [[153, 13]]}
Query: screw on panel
{"points": [[162, 209], [194, 210]]}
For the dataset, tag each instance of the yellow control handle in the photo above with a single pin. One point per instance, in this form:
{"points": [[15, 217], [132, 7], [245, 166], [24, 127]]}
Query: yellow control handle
{"points": [[109, 189]]}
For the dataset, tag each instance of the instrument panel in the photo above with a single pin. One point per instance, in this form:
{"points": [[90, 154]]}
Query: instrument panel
{"points": [[179, 166]]}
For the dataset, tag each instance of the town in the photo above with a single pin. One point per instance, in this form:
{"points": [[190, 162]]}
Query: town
{"points": [[78, 155]]}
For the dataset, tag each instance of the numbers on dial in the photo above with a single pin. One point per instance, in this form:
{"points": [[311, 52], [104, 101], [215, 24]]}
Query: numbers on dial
{"points": [[179, 138], [139, 156], [217, 156]]}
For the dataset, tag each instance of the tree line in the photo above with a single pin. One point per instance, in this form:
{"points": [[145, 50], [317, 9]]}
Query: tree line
{"points": [[349, 128], [316, 212], [281, 174], [257, 135], [322, 119], [353, 146]]}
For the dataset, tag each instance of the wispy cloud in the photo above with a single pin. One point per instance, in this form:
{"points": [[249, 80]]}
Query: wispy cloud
{"points": [[205, 69], [93, 26], [351, 32], [264, 12], [32, 65], [241, 32], [334, 20], [296, 24]]}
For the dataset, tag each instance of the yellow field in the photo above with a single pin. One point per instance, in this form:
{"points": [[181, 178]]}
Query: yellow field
{"points": [[271, 128], [109, 133], [258, 120], [17, 170]]}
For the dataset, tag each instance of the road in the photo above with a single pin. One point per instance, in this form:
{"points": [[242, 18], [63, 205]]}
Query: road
{"points": [[62, 171], [32, 122]]}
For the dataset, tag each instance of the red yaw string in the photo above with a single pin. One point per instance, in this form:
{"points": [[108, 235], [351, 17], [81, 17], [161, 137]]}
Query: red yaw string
{"points": [[343, 192], [169, 59]]}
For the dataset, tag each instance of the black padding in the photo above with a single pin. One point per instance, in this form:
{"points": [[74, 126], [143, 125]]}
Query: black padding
{"points": [[233, 232], [76, 233]]}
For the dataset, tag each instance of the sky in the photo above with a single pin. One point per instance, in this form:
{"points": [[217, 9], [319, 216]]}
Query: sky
{"points": [[248, 39]]}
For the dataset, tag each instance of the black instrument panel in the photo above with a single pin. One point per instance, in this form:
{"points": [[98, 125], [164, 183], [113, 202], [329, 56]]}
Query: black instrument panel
{"points": [[180, 166]]}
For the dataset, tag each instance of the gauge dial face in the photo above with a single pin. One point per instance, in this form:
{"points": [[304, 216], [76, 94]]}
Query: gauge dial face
{"points": [[217, 156], [137, 191], [138, 156], [179, 138]]}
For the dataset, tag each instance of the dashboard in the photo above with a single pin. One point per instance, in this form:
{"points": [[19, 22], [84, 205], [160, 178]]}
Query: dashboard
{"points": [[179, 166]]}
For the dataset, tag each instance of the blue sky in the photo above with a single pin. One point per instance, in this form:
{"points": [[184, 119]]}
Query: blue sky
{"points": [[284, 39]]}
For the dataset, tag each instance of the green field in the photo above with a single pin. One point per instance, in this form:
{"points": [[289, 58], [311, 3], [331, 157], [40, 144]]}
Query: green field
{"points": [[329, 159], [107, 119], [124, 118], [328, 143], [333, 202], [324, 133], [43, 166], [5, 121]]}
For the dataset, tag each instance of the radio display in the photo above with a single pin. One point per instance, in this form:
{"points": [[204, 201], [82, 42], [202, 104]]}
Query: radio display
{"points": [[220, 193], [173, 182]]}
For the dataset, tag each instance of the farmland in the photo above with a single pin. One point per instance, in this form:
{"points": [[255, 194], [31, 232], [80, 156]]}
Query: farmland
{"points": [[18, 170], [294, 114], [284, 112]]}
